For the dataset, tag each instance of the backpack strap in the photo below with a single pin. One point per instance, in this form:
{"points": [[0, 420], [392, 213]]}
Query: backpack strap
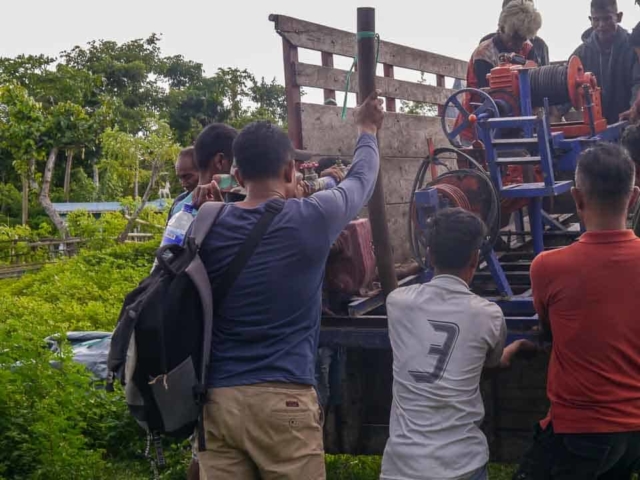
{"points": [[229, 277], [207, 215], [222, 287]]}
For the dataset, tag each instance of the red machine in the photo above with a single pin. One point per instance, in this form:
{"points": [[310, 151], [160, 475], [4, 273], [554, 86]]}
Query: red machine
{"points": [[351, 268], [561, 84]]}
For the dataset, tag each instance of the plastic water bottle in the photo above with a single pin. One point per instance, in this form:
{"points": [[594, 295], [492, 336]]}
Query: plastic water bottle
{"points": [[178, 225]]}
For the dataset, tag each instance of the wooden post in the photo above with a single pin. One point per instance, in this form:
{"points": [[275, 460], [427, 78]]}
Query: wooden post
{"points": [[292, 92], [377, 209], [440, 82], [390, 103], [327, 61]]}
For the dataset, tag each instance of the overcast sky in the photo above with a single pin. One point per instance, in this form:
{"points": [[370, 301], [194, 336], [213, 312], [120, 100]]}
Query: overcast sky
{"points": [[237, 33]]}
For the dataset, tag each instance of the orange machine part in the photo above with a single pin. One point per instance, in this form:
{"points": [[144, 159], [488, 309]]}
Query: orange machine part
{"points": [[578, 80]]}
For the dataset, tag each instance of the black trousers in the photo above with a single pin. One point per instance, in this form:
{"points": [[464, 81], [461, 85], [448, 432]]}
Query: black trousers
{"points": [[601, 456]]}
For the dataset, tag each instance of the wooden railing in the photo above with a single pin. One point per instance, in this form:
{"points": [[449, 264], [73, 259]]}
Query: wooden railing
{"points": [[19, 256], [404, 138]]}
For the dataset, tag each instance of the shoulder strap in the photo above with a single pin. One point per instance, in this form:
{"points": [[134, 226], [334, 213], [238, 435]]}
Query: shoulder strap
{"points": [[222, 287], [206, 217], [229, 277]]}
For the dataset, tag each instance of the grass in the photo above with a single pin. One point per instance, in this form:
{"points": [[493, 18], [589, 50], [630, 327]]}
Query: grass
{"points": [[339, 467]]}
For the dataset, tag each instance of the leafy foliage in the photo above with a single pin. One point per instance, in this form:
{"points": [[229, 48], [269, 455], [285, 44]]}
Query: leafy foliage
{"points": [[56, 422], [66, 107], [55, 425], [419, 108]]}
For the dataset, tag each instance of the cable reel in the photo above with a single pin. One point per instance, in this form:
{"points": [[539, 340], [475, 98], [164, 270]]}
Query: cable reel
{"points": [[470, 189]]}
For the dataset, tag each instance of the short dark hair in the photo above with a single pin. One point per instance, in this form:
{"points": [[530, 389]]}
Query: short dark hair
{"points": [[214, 139], [606, 175], [634, 39], [604, 5], [631, 141], [454, 235], [261, 151], [189, 152]]}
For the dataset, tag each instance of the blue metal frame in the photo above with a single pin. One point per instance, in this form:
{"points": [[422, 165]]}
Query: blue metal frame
{"points": [[555, 153]]}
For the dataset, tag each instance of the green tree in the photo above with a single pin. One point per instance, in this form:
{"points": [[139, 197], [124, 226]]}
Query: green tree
{"points": [[67, 126], [22, 124], [155, 149], [128, 73], [57, 109], [270, 101], [190, 109]]}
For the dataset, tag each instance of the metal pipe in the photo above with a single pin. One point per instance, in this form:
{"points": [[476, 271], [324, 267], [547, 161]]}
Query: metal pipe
{"points": [[568, 233], [367, 46], [589, 106]]}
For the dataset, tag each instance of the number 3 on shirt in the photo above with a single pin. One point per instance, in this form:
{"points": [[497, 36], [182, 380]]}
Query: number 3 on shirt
{"points": [[441, 352]]}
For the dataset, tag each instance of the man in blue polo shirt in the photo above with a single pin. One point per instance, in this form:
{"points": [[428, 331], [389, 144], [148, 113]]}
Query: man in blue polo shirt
{"points": [[187, 173], [262, 418]]}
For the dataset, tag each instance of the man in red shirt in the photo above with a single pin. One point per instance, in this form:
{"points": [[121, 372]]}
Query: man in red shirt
{"points": [[587, 298]]}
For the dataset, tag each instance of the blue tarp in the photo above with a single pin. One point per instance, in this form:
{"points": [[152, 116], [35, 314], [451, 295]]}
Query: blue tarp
{"points": [[101, 207]]}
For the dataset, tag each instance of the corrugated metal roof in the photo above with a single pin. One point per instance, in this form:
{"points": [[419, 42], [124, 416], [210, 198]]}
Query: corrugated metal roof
{"points": [[101, 207]]}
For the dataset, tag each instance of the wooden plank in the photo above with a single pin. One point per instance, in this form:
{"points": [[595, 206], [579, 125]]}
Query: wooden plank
{"points": [[440, 82], [327, 61], [399, 174], [397, 218], [307, 75], [402, 135], [326, 39], [290, 58], [390, 102]]}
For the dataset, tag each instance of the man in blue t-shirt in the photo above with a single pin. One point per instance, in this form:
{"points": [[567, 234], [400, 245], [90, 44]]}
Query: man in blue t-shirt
{"points": [[262, 418], [187, 173]]}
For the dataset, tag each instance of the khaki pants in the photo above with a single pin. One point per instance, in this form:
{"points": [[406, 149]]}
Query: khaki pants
{"points": [[265, 431]]}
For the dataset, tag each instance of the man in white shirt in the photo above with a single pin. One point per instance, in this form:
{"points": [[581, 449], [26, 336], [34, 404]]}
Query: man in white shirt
{"points": [[443, 335]]}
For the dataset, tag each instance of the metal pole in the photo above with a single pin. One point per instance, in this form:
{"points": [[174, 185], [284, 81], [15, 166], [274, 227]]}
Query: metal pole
{"points": [[367, 46]]}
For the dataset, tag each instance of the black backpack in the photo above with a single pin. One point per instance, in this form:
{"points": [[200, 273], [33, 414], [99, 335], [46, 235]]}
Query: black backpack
{"points": [[162, 341]]}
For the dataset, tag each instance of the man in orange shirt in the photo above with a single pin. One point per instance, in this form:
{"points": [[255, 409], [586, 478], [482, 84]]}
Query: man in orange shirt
{"points": [[587, 298]]}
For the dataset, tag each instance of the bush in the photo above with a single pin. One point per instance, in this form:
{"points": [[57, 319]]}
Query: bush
{"points": [[54, 423], [10, 201], [102, 232], [57, 423]]}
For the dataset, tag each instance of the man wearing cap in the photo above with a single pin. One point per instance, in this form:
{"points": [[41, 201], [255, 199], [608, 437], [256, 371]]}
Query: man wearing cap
{"points": [[540, 48]]}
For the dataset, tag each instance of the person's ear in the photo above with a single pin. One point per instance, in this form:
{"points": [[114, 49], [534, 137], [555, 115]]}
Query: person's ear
{"points": [[619, 16], [475, 260], [239, 178], [578, 198], [290, 172], [634, 197], [221, 163]]}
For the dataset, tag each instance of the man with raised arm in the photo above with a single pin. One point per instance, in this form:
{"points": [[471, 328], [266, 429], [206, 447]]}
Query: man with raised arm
{"points": [[262, 418]]}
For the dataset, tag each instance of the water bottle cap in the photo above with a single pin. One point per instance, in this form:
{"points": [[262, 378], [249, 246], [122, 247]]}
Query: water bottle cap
{"points": [[188, 207]]}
